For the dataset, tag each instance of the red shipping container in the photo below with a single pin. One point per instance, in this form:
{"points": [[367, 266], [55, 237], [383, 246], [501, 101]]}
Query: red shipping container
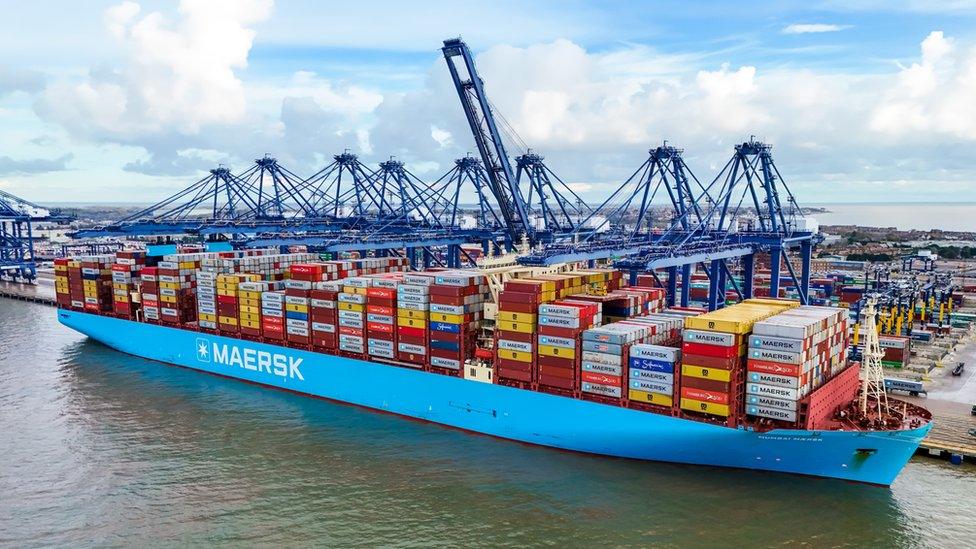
{"points": [[514, 364], [518, 375], [557, 371], [775, 368], [379, 328], [380, 310], [557, 331], [703, 395], [515, 336], [712, 362], [711, 350], [601, 379], [557, 361], [346, 330], [409, 331], [382, 293], [411, 340], [706, 384], [555, 381]]}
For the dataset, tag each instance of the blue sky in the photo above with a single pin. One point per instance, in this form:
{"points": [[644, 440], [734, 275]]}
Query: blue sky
{"points": [[862, 100]]}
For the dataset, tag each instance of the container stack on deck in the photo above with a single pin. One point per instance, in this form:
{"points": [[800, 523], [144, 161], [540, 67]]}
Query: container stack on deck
{"points": [[176, 276], [125, 278], [652, 374], [516, 328], [96, 279], [713, 356], [790, 355], [352, 315], [560, 343], [380, 318], [456, 302], [413, 306]]}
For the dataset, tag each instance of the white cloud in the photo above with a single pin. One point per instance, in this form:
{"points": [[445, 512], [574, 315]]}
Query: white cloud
{"points": [[809, 28], [933, 96], [177, 76]]}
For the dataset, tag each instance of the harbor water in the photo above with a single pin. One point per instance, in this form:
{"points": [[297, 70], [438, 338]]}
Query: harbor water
{"points": [[106, 449]]}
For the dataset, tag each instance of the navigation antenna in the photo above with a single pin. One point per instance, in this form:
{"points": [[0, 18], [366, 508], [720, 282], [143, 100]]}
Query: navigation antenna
{"points": [[872, 374]]}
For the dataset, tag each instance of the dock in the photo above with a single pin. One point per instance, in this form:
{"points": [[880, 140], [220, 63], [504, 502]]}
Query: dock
{"points": [[28, 292]]}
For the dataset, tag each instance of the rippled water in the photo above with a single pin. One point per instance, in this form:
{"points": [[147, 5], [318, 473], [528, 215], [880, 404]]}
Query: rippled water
{"points": [[100, 448]]}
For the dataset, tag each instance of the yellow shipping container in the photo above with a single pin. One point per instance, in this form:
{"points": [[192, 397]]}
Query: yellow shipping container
{"points": [[734, 319], [253, 317], [552, 350], [188, 264], [301, 308], [169, 285], [227, 320], [651, 398], [520, 356], [529, 318], [167, 298], [207, 316], [250, 324], [406, 313], [693, 405], [248, 294], [785, 303], [411, 322], [353, 290], [521, 327], [448, 318], [716, 374], [228, 293], [345, 306]]}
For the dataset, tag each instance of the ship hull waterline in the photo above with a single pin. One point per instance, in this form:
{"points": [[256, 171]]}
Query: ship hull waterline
{"points": [[509, 413]]}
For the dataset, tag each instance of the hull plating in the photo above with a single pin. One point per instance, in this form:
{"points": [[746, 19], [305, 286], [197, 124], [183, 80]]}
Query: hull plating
{"points": [[515, 414]]}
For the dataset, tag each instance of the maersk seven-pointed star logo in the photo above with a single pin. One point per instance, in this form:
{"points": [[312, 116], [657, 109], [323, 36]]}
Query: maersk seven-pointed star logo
{"points": [[203, 350]]}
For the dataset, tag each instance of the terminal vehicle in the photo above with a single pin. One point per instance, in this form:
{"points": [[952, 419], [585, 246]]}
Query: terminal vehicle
{"points": [[913, 388], [957, 371]]}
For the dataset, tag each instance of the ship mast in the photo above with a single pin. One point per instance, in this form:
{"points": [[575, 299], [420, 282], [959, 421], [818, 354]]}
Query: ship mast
{"points": [[872, 374]]}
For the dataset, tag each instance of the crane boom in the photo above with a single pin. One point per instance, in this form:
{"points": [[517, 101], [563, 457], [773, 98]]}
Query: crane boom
{"points": [[501, 177]]}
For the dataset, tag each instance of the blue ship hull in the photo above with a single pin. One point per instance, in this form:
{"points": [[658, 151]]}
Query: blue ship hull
{"points": [[526, 416]]}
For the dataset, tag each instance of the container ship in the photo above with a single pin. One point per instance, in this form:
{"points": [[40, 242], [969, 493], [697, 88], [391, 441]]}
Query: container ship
{"points": [[577, 360]]}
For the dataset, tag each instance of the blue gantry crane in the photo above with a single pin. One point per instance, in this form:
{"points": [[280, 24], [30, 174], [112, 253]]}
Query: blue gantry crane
{"points": [[17, 218]]}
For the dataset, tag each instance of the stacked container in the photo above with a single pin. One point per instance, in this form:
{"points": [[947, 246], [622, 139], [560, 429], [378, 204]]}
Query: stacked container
{"points": [[96, 277], [713, 356], [653, 373], [790, 355], [559, 343], [297, 325], [125, 275], [177, 288], [456, 303], [249, 304], [381, 300], [413, 307], [323, 315], [352, 314], [149, 293], [273, 315], [897, 350], [228, 308], [516, 327], [609, 346], [62, 286], [207, 299]]}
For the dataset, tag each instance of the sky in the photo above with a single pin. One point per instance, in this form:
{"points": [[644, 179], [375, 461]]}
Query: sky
{"points": [[862, 100]]}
